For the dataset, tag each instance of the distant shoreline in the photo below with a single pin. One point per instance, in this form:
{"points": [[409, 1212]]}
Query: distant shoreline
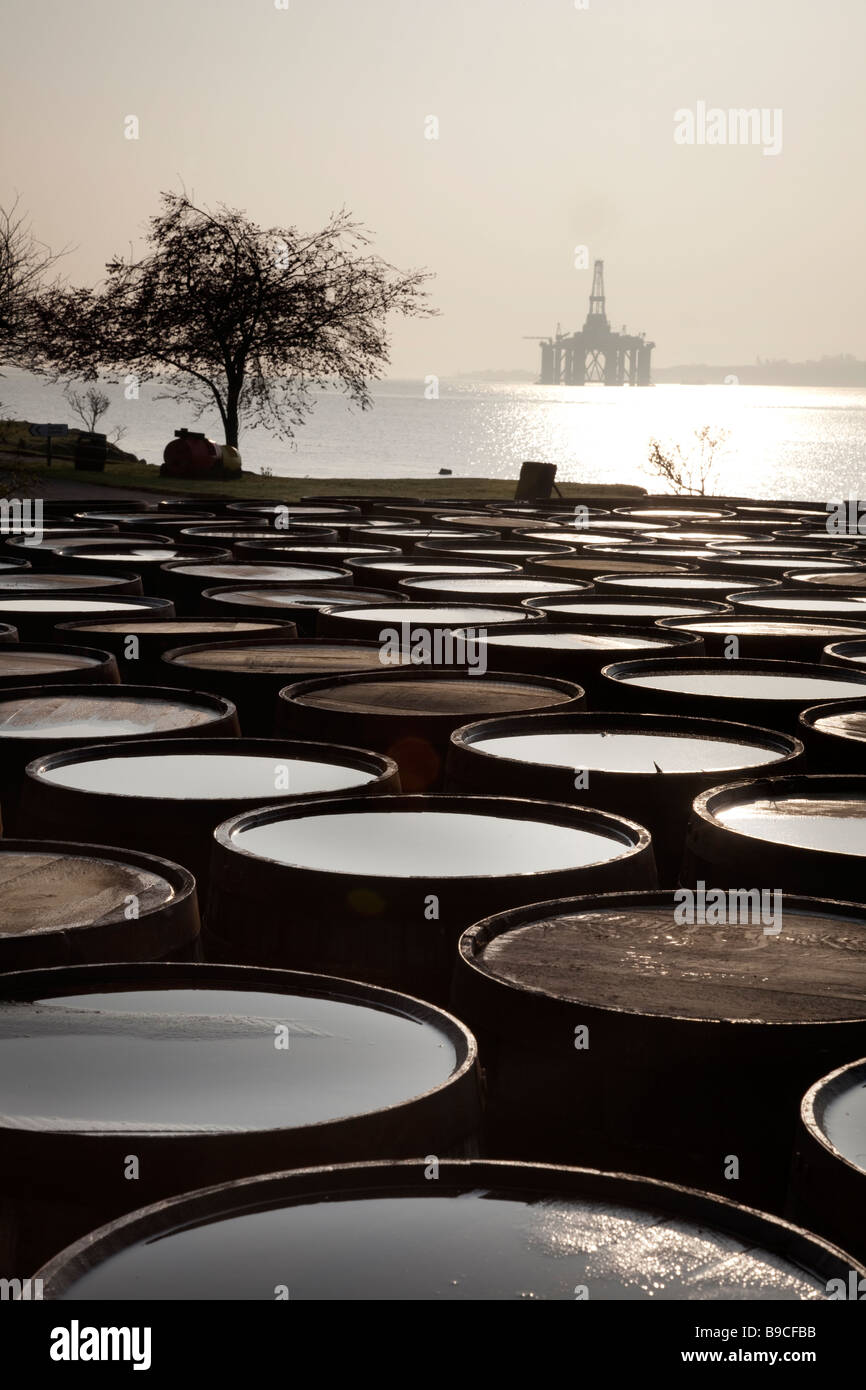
{"points": [[813, 375]]}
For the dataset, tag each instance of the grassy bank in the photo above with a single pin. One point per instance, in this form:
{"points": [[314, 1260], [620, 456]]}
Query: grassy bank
{"points": [[29, 473]]}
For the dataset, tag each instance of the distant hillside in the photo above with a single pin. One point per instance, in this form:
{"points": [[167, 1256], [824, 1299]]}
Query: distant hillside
{"points": [[844, 370]]}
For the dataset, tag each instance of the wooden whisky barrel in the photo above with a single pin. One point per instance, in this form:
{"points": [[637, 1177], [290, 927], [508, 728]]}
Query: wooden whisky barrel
{"points": [[208, 1075]]}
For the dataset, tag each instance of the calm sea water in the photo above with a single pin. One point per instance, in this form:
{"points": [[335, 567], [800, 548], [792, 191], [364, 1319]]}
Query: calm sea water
{"points": [[783, 441]]}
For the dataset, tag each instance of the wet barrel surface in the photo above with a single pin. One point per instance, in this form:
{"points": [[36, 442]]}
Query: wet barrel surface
{"points": [[410, 715], [769, 693], [188, 1064], [835, 736], [139, 645], [297, 603], [693, 1028], [585, 566], [69, 903], [575, 651], [845, 652], [41, 719], [308, 552], [172, 793], [251, 674], [26, 663], [797, 603], [828, 1183], [483, 1230], [713, 586], [803, 834], [764, 637], [408, 624], [381, 889], [187, 582], [626, 610], [38, 583], [650, 767], [387, 573], [505, 589], [37, 618], [837, 577]]}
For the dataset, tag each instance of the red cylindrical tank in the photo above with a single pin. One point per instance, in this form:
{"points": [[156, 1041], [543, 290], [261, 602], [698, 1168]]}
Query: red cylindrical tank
{"points": [[190, 455]]}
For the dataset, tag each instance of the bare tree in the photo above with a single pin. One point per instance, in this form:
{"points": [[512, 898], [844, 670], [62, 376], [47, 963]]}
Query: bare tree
{"points": [[89, 405], [222, 312], [689, 471], [24, 265]]}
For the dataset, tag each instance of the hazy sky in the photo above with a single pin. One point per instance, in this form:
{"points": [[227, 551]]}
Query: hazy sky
{"points": [[556, 130]]}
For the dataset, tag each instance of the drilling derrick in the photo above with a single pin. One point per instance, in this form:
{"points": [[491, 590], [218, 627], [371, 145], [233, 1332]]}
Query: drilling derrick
{"points": [[596, 353]]}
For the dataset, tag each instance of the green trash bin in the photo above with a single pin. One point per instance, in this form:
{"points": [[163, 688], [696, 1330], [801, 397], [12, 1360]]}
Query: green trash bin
{"points": [[90, 452]]}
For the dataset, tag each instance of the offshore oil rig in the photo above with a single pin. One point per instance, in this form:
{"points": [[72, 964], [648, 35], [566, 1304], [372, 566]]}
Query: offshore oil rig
{"points": [[595, 354]]}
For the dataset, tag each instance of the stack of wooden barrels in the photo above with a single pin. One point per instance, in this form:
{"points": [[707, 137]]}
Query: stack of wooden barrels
{"points": [[478, 886]]}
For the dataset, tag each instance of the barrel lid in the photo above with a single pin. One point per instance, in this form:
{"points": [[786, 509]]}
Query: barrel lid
{"points": [[623, 524], [742, 624], [416, 532], [579, 537], [41, 582], [416, 566], [452, 615], [495, 546], [124, 514], [843, 719], [48, 886], [833, 1110], [676, 513], [836, 602], [483, 1230], [800, 682], [574, 638], [853, 651], [123, 508], [823, 814], [162, 515], [493, 521], [236, 571], [633, 745], [588, 565], [666, 582], [78, 603], [428, 693], [691, 556], [183, 626], [512, 586], [683, 954], [688, 535], [280, 657], [244, 771], [97, 712], [192, 1051], [308, 552], [628, 605], [29, 659], [283, 596], [787, 563], [295, 509], [842, 576], [449, 837]]}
